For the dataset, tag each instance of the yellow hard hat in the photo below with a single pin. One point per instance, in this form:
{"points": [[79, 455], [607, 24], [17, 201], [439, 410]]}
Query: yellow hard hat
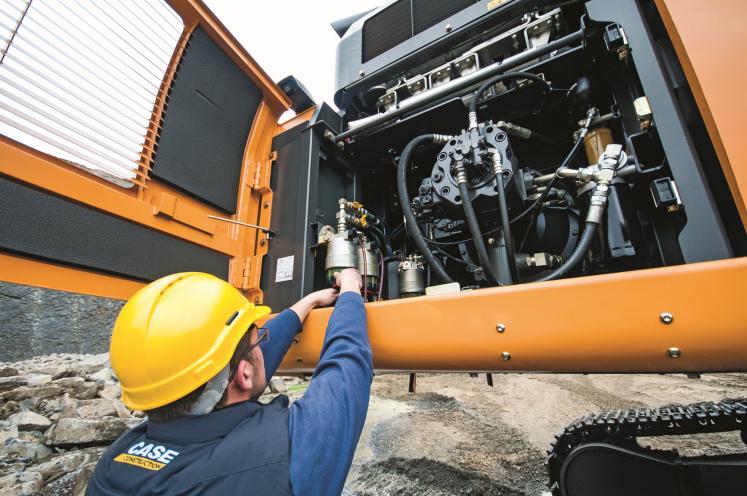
{"points": [[175, 334]]}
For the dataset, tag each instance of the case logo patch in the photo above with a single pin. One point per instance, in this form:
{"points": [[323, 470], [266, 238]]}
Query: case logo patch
{"points": [[147, 456]]}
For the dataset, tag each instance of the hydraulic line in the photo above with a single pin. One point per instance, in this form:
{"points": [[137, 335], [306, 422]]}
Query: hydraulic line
{"points": [[474, 228], [578, 254], [503, 207], [411, 224], [490, 82]]}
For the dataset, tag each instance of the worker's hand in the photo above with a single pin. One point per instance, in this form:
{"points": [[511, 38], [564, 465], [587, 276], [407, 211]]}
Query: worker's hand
{"points": [[325, 297], [349, 280]]}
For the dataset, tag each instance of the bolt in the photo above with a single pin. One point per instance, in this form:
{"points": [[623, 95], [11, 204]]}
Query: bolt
{"points": [[666, 318], [506, 356], [299, 360], [296, 339], [491, 241], [437, 177], [266, 204], [448, 28], [500, 328], [445, 190], [256, 300], [674, 352], [262, 242], [361, 73]]}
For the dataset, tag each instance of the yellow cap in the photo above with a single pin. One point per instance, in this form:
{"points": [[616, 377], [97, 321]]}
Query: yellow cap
{"points": [[175, 334]]}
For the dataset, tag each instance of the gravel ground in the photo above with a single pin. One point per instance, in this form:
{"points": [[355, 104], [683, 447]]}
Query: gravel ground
{"points": [[457, 435]]}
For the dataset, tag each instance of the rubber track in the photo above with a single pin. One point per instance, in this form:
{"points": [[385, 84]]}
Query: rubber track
{"points": [[625, 425]]}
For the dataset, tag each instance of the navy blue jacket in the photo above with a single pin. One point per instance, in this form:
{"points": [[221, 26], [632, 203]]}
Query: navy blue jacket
{"points": [[256, 449]]}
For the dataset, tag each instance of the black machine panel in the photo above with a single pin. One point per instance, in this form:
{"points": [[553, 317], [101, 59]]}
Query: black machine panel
{"points": [[45, 226], [211, 107]]}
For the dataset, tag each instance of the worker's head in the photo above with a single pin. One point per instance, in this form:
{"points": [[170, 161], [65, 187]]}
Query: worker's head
{"points": [[187, 343]]}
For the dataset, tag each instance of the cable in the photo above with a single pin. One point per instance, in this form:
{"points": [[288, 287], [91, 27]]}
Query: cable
{"points": [[578, 254], [381, 274], [411, 223], [365, 269]]}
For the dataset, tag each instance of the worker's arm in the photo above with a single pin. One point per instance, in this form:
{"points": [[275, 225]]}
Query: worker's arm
{"points": [[284, 327], [326, 423]]}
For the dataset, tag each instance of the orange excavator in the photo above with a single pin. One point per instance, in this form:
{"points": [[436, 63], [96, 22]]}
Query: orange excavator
{"points": [[526, 185]]}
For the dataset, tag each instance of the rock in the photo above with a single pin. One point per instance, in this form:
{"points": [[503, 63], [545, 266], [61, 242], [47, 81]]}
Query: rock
{"points": [[8, 371], [7, 430], [17, 449], [277, 385], [78, 387], [122, 411], [72, 431], [98, 407], [104, 375], [21, 484], [21, 393], [33, 436], [82, 478], [12, 382], [38, 379], [67, 462], [8, 409], [93, 363], [110, 391], [56, 405], [29, 421]]}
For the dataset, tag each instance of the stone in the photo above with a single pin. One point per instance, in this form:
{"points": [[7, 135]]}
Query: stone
{"points": [[18, 449], [67, 462], [21, 393], [81, 479], [93, 363], [98, 407], [122, 411], [103, 375], [33, 436], [72, 431], [21, 484], [8, 409], [110, 391], [8, 371], [78, 387], [38, 379], [7, 430], [277, 385], [12, 382], [29, 421]]}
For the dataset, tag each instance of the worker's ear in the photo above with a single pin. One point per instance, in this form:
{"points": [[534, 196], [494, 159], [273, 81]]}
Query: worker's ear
{"points": [[244, 379]]}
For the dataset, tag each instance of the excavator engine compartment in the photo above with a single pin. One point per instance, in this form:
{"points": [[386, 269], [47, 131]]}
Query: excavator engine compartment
{"points": [[521, 142]]}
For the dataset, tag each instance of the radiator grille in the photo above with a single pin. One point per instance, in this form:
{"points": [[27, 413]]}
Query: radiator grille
{"points": [[403, 20]]}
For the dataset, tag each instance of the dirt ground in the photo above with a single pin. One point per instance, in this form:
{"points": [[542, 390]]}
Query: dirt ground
{"points": [[457, 435]]}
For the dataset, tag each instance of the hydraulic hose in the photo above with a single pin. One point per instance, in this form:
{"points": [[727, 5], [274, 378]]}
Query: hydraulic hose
{"points": [[578, 254], [506, 231], [474, 229], [404, 199], [490, 82]]}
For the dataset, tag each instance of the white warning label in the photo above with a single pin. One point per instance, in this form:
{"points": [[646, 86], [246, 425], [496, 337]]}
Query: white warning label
{"points": [[284, 270]]}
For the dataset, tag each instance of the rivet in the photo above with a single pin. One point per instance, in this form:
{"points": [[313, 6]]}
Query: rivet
{"points": [[506, 356], [674, 352], [500, 328], [666, 318]]}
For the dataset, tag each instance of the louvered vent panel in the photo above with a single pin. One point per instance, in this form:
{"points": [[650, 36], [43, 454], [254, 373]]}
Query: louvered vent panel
{"points": [[79, 79], [427, 13], [387, 29]]}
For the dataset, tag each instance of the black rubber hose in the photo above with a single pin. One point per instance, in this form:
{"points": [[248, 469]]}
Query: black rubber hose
{"points": [[508, 239], [501, 77], [375, 234], [474, 229], [404, 199], [578, 254]]}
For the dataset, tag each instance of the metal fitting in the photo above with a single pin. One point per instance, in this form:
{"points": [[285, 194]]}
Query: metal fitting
{"points": [[674, 352], [473, 120], [461, 173], [442, 139], [607, 166], [500, 328], [506, 356], [666, 318], [498, 165]]}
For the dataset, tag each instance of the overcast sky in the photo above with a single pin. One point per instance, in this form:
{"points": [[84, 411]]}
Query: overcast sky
{"points": [[291, 36]]}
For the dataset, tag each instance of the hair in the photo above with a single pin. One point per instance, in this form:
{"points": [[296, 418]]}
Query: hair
{"points": [[181, 407]]}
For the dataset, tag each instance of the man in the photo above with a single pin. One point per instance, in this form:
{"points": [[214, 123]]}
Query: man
{"points": [[187, 351]]}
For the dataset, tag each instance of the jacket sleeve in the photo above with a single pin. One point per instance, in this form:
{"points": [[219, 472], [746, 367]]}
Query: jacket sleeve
{"points": [[326, 423], [283, 328]]}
